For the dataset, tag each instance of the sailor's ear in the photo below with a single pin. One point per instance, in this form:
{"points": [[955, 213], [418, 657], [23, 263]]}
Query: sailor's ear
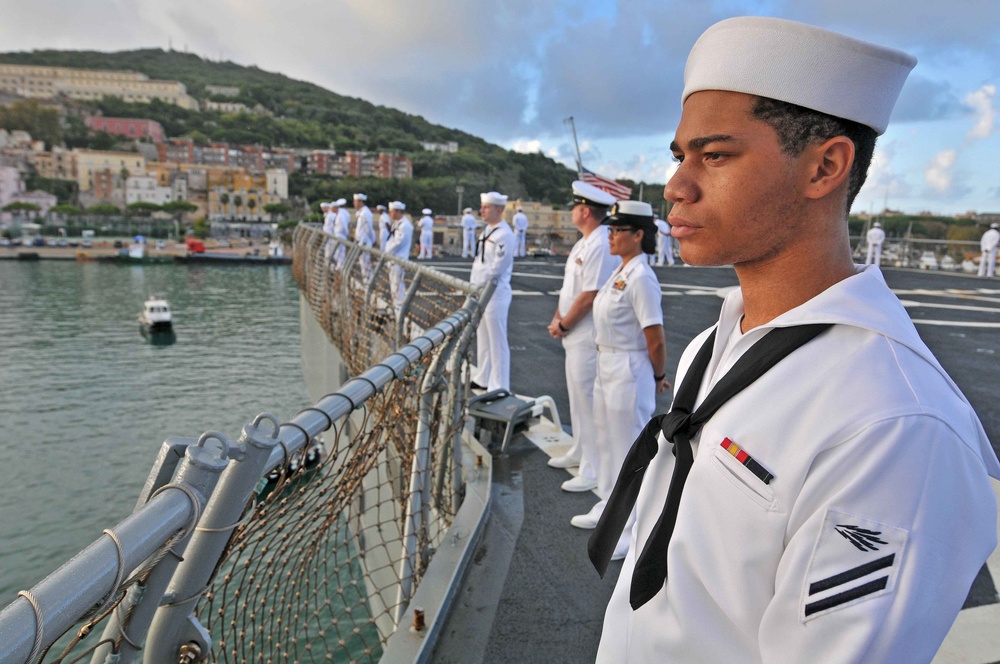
{"points": [[827, 166]]}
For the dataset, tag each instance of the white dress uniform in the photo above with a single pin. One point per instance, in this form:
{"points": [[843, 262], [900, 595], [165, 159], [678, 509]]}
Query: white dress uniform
{"points": [[988, 245], [384, 224], [879, 515], [468, 236], [398, 244], [876, 236], [341, 230], [364, 234], [494, 260], [664, 244], [426, 225], [624, 391], [588, 267], [521, 233], [330, 228]]}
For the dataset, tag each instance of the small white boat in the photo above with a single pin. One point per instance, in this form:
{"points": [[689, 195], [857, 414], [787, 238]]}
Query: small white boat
{"points": [[156, 315]]}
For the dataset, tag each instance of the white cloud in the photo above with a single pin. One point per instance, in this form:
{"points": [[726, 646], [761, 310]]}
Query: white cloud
{"points": [[981, 101], [937, 173]]}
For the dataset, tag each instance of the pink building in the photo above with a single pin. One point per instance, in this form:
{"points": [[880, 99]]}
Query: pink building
{"points": [[131, 127]]}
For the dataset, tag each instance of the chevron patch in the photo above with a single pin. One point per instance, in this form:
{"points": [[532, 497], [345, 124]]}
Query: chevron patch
{"points": [[855, 560]]}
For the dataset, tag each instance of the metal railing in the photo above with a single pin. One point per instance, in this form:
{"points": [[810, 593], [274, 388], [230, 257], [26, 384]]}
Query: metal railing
{"points": [[304, 540]]}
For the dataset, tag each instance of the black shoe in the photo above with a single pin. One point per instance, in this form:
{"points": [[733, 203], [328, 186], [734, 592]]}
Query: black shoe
{"points": [[476, 386]]}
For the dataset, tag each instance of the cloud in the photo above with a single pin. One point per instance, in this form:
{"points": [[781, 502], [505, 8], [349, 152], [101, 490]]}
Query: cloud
{"points": [[981, 102], [937, 172]]}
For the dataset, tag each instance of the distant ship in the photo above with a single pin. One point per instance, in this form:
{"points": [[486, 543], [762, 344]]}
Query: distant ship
{"points": [[156, 316]]}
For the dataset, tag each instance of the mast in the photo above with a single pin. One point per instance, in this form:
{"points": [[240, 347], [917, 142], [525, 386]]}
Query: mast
{"points": [[576, 144]]}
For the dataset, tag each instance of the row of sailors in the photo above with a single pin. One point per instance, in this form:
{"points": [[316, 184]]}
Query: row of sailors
{"points": [[392, 223]]}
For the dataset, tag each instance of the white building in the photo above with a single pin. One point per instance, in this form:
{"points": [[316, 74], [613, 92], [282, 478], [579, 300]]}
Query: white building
{"points": [[277, 182]]}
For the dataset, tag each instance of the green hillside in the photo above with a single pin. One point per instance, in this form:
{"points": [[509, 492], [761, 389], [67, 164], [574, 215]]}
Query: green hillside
{"points": [[308, 116]]}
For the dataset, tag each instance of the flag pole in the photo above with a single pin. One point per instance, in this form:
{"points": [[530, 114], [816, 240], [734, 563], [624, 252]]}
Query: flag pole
{"points": [[576, 144]]}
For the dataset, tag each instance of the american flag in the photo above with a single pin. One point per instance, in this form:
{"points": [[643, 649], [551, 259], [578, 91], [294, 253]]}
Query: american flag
{"points": [[621, 192]]}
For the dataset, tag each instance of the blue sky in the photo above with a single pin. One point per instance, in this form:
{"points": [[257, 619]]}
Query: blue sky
{"points": [[511, 71]]}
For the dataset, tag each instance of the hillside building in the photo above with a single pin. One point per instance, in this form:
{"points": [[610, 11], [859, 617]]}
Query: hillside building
{"points": [[91, 162], [38, 82], [134, 128]]}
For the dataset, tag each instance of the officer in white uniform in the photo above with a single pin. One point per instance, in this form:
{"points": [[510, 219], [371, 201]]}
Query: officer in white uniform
{"points": [[383, 226], [588, 267], [876, 236], [398, 245], [631, 351], [494, 260], [664, 245], [341, 229], [426, 225], [839, 507], [364, 233], [988, 258], [468, 233], [521, 232]]}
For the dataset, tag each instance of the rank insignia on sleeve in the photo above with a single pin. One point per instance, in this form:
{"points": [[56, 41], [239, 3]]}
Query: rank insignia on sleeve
{"points": [[855, 560], [501, 249]]}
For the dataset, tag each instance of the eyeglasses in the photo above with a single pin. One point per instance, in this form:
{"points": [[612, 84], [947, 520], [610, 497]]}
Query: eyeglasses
{"points": [[615, 230]]}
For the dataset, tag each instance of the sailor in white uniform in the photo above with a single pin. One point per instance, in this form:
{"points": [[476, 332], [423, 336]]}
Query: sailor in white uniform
{"points": [[631, 350], [588, 267], [341, 230], [494, 260], [364, 233], [329, 224], [468, 233], [834, 505], [398, 245], [426, 226], [988, 245], [664, 245], [521, 232], [383, 226], [875, 237]]}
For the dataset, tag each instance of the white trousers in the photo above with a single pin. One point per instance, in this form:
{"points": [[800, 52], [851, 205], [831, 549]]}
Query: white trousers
{"points": [[383, 237], [664, 250], [624, 400], [522, 243], [426, 244], [492, 348], [397, 286], [988, 263], [874, 254], [469, 244], [581, 373]]}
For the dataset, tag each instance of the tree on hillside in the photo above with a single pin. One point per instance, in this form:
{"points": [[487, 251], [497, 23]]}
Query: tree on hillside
{"points": [[40, 121], [20, 206], [104, 209], [237, 202], [142, 208], [251, 204], [224, 201], [178, 209], [278, 210]]}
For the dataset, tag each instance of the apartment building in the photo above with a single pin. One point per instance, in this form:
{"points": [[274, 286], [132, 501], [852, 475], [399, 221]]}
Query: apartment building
{"points": [[129, 127], [38, 82], [90, 162]]}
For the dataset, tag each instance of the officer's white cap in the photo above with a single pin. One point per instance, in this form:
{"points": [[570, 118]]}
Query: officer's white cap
{"points": [[396, 205], [467, 210], [630, 213], [360, 197], [425, 211], [799, 64], [588, 194], [324, 205], [379, 207], [877, 225], [493, 198], [340, 202]]}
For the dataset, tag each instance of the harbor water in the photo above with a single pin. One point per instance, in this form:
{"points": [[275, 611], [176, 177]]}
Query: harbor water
{"points": [[86, 400]]}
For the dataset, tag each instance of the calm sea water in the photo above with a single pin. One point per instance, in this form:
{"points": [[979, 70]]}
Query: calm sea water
{"points": [[85, 400]]}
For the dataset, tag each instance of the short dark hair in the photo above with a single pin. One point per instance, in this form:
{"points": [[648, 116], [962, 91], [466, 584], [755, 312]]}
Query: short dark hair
{"points": [[648, 244], [798, 126]]}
